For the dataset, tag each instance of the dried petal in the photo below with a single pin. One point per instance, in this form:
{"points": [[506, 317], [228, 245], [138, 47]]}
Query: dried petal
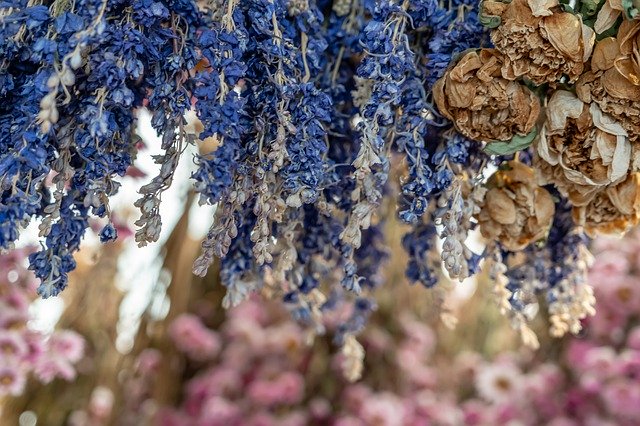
{"points": [[607, 17], [564, 31], [605, 54], [501, 208], [542, 7]]}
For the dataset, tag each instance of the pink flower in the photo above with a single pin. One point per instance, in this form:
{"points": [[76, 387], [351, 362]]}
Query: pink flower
{"points": [[440, 409], [629, 363], [262, 418], [475, 413], [376, 340], [13, 347], [633, 340], [219, 411], [101, 402], [251, 309], [607, 323], [246, 331], [600, 362], [288, 388], [50, 367], [607, 264], [36, 344], [499, 381], [420, 337], [193, 338], [319, 408], [577, 352], [563, 421], [169, 417], [149, 361], [622, 399], [284, 338], [12, 380], [349, 421], [620, 294], [15, 301], [295, 418], [67, 344], [11, 318], [384, 409], [354, 397]]}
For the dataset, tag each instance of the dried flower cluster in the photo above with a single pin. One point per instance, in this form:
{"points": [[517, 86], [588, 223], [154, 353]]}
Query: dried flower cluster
{"points": [[560, 89], [613, 81]]}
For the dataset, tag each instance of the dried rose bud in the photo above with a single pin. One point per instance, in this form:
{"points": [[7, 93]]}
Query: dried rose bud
{"points": [[540, 41], [612, 211], [515, 211], [481, 103], [581, 150], [614, 79]]}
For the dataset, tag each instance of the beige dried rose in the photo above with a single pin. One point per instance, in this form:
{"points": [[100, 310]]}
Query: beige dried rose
{"points": [[614, 79], [540, 41], [481, 103], [612, 211], [515, 211], [581, 150]]}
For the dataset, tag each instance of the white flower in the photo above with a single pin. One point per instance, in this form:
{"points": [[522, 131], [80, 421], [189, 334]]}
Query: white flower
{"points": [[498, 382]]}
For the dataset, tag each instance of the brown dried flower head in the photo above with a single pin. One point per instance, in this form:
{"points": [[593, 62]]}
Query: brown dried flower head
{"points": [[515, 211], [614, 79], [481, 103], [539, 40], [612, 211], [581, 150]]}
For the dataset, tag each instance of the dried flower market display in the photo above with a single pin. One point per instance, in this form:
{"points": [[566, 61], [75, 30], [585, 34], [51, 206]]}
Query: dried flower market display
{"points": [[318, 121]]}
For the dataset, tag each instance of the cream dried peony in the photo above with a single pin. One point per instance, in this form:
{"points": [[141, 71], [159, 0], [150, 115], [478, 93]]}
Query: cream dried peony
{"points": [[515, 211], [612, 211], [614, 79], [482, 104], [540, 41], [581, 150]]}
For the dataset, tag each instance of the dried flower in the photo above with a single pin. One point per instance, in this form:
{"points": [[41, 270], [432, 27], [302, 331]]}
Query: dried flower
{"points": [[614, 79], [482, 104], [516, 211], [540, 41], [612, 211], [581, 150]]}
